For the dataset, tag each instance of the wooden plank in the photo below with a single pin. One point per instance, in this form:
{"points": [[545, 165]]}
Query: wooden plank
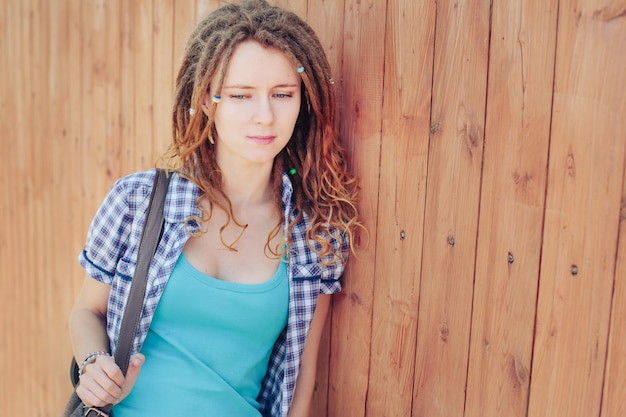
{"points": [[517, 136], [64, 212], [94, 106], [585, 174], [403, 166], [112, 71], [8, 102], [73, 184], [613, 404], [452, 200], [326, 19], [127, 87], [184, 19], [361, 90], [143, 76], [16, 89], [204, 7], [299, 7], [163, 77], [33, 243]]}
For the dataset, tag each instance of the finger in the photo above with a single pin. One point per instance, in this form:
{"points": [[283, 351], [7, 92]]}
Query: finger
{"points": [[136, 362], [93, 394], [111, 369], [96, 379]]}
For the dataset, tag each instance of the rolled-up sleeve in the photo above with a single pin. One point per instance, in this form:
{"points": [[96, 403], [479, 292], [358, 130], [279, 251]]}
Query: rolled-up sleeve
{"points": [[108, 235]]}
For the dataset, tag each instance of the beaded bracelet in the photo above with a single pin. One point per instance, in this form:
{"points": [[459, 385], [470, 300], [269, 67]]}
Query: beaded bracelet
{"points": [[90, 358]]}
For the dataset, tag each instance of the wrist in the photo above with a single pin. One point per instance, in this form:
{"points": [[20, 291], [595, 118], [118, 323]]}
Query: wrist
{"points": [[90, 358]]}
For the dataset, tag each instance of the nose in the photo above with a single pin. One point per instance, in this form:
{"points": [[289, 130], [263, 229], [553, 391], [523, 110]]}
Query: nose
{"points": [[264, 113]]}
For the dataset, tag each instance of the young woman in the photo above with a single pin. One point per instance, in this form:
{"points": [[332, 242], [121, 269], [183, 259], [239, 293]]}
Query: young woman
{"points": [[259, 220]]}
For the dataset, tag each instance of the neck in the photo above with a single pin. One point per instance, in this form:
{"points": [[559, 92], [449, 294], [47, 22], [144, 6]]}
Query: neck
{"points": [[248, 185]]}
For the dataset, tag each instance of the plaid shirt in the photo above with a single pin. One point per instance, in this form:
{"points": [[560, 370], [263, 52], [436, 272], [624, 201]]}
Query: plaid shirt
{"points": [[110, 256]]}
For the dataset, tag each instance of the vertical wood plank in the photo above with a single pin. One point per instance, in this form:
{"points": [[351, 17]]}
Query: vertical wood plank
{"points": [[204, 7], [71, 200], [64, 212], [299, 7], [36, 213], [143, 76], [12, 196], [184, 18], [163, 77], [452, 200], [18, 89], [112, 71], [613, 404], [404, 158], [326, 19], [94, 104], [8, 102], [127, 91], [517, 135], [585, 174], [362, 87]]}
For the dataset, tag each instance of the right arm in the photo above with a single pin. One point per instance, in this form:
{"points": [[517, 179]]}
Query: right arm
{"points": [[102, 381]]}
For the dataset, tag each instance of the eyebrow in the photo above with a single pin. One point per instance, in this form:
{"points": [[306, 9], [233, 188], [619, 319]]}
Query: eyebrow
{"points": [[249, 87]]}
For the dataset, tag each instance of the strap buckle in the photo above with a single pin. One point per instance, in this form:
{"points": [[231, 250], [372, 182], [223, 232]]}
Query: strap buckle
{"points": [[96, 412]]}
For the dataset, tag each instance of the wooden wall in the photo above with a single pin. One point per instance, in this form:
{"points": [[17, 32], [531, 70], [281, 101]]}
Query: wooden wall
{"points": [[490, 138]]}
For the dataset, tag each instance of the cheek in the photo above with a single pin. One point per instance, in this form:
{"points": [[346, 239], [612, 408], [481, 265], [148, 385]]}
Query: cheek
{"points": [[226, 116]]}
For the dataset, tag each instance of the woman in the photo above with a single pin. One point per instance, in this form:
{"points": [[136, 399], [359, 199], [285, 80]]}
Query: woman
{"points": [[259, 221]]}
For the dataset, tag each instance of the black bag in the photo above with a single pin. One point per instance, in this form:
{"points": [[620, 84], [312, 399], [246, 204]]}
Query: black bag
{"points": [[147, 247]]}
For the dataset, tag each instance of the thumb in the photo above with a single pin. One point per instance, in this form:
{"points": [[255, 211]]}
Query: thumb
{"points": [[134, 366]]}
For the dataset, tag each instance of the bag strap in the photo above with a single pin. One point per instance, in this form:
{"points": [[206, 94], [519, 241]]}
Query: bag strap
{"points": [[147, 248]]}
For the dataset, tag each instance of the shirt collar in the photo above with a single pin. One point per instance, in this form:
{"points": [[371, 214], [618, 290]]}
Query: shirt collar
{"points": [[183, 195]]}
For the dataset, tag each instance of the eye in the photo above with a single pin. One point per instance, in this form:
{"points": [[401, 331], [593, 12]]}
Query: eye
{"points": [[283, 95], [238, 96]]}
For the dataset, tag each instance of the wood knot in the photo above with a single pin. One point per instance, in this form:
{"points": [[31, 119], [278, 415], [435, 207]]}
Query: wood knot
{"points": [[612, 11], [444, 332], [570, 165], [517, 372]]}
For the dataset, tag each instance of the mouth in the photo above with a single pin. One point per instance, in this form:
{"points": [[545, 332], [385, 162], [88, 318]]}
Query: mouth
{"points": [[262, 140]]}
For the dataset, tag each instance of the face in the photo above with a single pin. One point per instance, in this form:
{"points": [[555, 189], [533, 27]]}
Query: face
{"points": [[259, 106]]}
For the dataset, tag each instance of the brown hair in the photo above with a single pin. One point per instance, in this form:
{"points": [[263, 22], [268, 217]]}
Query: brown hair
{"points": [[323, 188]]}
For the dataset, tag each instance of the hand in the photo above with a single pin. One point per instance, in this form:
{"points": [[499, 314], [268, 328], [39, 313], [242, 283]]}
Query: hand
{"points": [[103, 383]]}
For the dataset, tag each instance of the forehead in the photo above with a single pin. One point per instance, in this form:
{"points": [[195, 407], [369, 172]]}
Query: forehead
{"points": [[252, 63]]}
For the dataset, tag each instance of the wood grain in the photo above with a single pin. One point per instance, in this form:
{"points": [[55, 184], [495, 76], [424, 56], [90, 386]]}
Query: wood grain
{"points": [[517, 136], [489, 141], [585, 176], [455, 157], [361, 92], [402, 191]]}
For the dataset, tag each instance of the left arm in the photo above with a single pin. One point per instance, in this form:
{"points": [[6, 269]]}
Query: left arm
{"points": [[303, 395]]}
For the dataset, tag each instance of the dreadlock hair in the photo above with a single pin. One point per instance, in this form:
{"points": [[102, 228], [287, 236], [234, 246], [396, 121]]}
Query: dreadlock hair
{"points": [[323, 188]]}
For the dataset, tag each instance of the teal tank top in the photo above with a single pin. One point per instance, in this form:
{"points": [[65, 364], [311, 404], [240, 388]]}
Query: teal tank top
{"points": [[208, 346]]}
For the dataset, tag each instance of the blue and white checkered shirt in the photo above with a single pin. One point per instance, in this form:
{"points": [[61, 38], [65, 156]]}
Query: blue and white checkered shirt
{"points": [[110, 256]]}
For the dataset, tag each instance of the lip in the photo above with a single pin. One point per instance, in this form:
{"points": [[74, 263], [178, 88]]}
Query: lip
{"points": [[262, 140]]}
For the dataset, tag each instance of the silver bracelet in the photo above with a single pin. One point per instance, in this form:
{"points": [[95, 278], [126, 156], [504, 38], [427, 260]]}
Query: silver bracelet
{"points": [[90, 358]]}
